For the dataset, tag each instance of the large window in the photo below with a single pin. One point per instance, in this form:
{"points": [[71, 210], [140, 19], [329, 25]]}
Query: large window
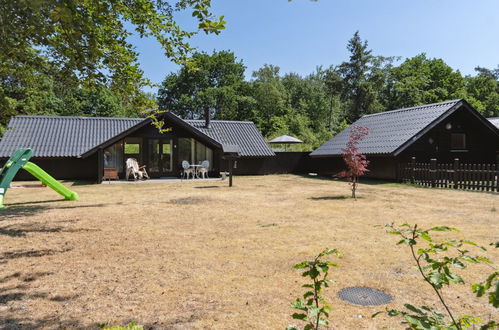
{"points": [[202, 153], [194, 152], [184, 150], [132, 148], [458, 141], [113, 156]]}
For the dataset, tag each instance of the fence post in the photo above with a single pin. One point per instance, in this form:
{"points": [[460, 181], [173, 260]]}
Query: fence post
{"points": [[413, 169], [433, 171], [456, 175]]}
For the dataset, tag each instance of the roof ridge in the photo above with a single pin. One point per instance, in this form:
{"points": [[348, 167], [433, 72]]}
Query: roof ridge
{"points": [[221, 121], [423, 106], [77, 117]]}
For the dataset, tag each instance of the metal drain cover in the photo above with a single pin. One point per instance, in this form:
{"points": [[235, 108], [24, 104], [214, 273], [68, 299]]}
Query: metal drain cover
{"points": [[364, 296]]}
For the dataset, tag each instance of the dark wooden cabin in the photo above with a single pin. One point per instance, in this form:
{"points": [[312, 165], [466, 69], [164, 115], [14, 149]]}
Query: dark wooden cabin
{"points": [[443, 131], [79, 148]]}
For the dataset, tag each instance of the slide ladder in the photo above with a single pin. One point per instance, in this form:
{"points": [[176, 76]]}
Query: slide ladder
{"points": [[20, 160]]}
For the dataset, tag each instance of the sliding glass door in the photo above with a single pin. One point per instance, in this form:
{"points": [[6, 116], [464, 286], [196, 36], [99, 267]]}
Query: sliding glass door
{"points": [[160, 157]]}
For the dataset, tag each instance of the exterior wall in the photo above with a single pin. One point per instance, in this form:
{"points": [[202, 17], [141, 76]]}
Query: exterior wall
{"points": [[62, 168], [482, 145], [380, 167], [150, 132], [283, 162]]}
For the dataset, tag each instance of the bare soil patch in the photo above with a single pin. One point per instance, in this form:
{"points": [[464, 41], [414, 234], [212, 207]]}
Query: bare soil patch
{"points": [[174, 256]]}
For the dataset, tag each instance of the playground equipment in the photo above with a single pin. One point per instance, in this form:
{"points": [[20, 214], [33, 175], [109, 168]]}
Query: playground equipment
{"points": [[19, 160]]}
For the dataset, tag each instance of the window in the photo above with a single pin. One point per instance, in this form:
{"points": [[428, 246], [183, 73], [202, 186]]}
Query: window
{"points": [[132, 146], [113, 156], [184, 150], [458, 141]]}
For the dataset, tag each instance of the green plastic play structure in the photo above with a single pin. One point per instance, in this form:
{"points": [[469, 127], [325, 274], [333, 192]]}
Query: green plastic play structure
{"points": [[19, 160]]}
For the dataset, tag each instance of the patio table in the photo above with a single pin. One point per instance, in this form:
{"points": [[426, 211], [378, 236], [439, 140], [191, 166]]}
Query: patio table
{"points": [[196, 167]]}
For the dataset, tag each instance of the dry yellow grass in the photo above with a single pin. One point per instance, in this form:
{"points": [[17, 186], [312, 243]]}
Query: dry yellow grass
{"points": [[195, 255]]}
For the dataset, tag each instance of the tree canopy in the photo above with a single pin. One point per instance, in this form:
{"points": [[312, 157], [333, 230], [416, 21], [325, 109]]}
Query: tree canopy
{"points": [[317, 106], [52, 48]]}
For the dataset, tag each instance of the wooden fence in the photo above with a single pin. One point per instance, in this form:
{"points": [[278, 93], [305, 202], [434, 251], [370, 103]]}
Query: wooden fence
{"points": [[483, 177]]}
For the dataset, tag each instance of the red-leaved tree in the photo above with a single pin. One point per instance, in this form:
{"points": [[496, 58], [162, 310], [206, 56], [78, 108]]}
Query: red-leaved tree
{"points": [[356, 161]]}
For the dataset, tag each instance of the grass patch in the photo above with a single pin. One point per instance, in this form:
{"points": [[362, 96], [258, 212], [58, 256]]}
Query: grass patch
{"points": [[172, 256]]}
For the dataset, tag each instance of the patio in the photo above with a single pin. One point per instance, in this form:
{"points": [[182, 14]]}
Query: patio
{"points": [[160, 180]]}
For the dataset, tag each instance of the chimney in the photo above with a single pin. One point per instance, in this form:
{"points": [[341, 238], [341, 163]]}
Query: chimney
{"points": [[207, 117]]}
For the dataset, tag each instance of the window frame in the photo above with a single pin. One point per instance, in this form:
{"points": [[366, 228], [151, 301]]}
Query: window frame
{"points": [[462, 141]]}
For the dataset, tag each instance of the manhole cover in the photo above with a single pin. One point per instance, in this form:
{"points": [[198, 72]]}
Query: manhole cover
{"points": [[364, 296]]}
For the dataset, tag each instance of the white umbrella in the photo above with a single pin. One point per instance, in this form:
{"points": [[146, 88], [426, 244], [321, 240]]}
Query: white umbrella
{"points": [[285, 139]]}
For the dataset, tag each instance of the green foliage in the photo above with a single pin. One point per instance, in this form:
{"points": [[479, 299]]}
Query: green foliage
{"points": [[420, 80], [49, 49], [490, 286], [313, 309], [483, 91], [492, 281], [215, 85], [438, 263], [362, 79]]}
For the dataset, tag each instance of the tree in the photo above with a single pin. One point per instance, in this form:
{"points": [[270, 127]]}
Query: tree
{"points": [[483, 91], [420, 80], [216, 85], [272, 100], [363, 79], [84, 44], [355, 161]]}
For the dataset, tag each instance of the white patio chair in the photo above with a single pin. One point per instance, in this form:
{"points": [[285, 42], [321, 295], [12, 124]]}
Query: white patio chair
{"points": [[203, 170], [133, 168], [187, 170]]}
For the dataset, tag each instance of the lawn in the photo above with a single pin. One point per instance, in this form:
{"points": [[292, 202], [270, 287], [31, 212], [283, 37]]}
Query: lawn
{"points": [[202, 255]]}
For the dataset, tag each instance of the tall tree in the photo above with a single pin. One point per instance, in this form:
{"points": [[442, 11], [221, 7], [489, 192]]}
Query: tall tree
{"points": [[363, 78], [217, 84], [272, 100], [84, 43], [483, 91], [420, 80]]}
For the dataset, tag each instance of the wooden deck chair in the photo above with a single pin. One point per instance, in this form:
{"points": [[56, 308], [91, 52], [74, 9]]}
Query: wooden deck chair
{"points": [[133, 168]]}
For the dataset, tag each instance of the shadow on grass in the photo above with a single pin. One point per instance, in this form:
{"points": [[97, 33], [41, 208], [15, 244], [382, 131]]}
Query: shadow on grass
{"points": [[19, 292], [371, 182], [82, 183], [47, 323], [330, 198], [207, 187], [26, 209], [30, 254], [21, 232]]}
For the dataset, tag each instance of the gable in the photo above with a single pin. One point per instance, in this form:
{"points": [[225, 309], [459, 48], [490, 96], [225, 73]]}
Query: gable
{"points": [[53, 136]]}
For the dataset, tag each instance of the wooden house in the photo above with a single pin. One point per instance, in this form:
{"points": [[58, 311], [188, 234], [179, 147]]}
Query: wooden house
{"points": [[444, 131], [79, 148]]}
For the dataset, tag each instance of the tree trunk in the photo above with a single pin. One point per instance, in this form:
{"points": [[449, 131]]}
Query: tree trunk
{"points": [[354, 186]]}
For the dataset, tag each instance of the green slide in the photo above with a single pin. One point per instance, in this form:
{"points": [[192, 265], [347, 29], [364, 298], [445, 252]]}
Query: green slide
{"points": [[19, 160]]}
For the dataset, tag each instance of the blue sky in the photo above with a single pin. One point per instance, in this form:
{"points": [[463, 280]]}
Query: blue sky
{"points": [[300, 35]]}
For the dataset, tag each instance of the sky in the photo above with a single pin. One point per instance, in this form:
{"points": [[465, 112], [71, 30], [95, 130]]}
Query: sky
{"points": [[300, 35]]}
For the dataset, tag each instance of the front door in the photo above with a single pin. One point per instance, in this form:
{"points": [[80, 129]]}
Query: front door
{"points": [[160, 157]]}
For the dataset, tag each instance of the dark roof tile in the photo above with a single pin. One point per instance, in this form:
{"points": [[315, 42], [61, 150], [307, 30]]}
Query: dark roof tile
{"points": [[387, 130], [53, 136]]}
